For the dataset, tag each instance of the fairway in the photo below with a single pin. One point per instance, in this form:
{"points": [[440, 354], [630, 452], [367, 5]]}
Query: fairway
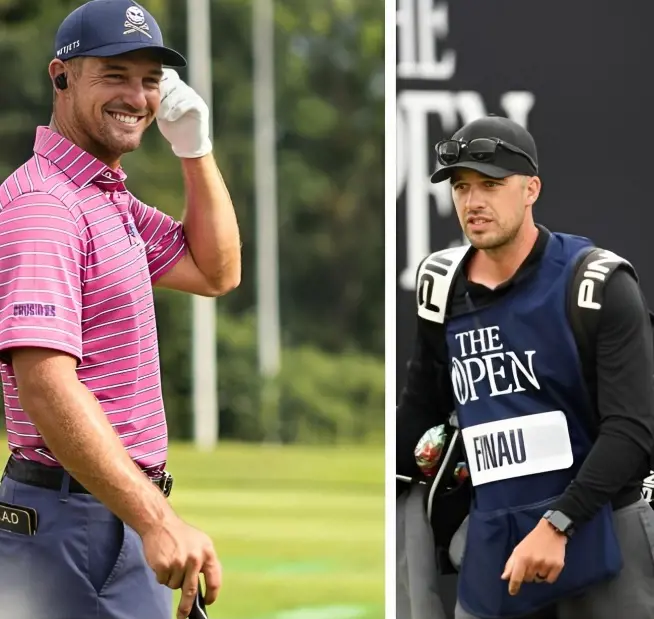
{"points": [[299, 530]]}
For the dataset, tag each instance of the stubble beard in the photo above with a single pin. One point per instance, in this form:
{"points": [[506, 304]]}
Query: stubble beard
{"points": [[494, 240], [103, 140]]}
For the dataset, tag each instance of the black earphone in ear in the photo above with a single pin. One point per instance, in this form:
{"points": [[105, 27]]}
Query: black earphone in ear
{"points": [[61, 81]]}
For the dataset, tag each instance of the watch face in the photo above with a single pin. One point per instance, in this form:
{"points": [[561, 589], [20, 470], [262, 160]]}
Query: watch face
{"points": [[560, 521]]}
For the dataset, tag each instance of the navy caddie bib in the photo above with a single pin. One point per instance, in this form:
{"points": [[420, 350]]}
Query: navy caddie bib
{"points": [[522, 406]]}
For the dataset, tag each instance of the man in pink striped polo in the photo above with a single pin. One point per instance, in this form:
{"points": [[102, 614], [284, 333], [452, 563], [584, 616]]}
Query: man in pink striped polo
{"points": [[85, 527]]}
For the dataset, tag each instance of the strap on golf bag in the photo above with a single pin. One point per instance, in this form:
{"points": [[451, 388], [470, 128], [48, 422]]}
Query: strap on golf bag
{"points": [[584, 304]]}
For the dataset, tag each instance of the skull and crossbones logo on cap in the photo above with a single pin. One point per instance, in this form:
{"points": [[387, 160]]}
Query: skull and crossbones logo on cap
{"points": [[136, 21]]}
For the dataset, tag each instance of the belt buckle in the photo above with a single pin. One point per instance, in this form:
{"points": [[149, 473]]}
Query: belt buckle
{"points": [[165, 483]]}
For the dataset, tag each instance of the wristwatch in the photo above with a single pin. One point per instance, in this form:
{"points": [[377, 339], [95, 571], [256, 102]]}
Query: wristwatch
{"points": [[560, 522]]}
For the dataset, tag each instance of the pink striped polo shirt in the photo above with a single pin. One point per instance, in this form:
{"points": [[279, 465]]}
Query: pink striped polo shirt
{"points": [[78, 257]]}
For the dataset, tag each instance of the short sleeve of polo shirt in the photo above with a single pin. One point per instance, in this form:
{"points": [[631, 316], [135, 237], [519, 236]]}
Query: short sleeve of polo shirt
{"points": [[165, 244], [42, 259]]}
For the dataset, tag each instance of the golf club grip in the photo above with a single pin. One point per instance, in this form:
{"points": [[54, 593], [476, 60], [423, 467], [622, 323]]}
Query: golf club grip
{"points": [[198, 610]]}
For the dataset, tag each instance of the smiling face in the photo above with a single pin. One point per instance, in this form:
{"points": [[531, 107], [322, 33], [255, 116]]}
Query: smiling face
{"points": [[492, 211], [109, 103]]}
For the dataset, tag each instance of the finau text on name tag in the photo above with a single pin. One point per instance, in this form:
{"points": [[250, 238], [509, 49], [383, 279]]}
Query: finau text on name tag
{"points": [[524, 445]]}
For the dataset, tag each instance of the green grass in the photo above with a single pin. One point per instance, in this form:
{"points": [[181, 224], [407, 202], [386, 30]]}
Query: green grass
{"points": [[299, 530]]}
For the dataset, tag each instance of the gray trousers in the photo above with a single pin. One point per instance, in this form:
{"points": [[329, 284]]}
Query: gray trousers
{"points": [[631, 593], [417, 595]]}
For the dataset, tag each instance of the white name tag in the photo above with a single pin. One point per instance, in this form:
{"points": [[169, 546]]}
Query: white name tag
{"points": [[520, 446]]}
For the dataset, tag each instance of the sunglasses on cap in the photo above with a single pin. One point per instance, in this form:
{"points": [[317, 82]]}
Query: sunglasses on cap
{"points": [[482, 150]]}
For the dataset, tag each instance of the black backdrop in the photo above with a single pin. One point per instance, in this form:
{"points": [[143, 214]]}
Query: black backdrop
{"points": [[576, 73]]}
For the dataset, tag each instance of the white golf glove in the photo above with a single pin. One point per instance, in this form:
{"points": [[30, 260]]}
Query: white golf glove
{"points": [[183, 117]]}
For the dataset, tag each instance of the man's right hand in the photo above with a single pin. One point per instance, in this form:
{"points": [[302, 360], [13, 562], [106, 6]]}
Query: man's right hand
{"points": [[178, 553], [77, 431]]}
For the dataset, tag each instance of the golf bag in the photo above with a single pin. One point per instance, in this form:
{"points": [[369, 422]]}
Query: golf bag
{"points": [[448, 497]]}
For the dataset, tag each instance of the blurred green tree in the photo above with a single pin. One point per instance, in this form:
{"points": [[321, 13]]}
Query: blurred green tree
{"points": [[330, 126]]}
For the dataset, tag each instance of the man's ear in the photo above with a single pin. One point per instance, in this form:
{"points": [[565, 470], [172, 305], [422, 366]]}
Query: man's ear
{"points": [[533, 188], [57, 72]]}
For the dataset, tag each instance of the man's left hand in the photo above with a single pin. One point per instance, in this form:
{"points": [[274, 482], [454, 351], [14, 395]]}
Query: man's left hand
{"points": [[183, 117], [539, 557]]}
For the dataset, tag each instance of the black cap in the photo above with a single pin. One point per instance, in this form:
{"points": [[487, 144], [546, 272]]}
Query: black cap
{"points": [[507, 162], [109, 28]]}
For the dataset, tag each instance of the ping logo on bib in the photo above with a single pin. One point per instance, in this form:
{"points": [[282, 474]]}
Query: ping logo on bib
{"points": [[520, 446]]}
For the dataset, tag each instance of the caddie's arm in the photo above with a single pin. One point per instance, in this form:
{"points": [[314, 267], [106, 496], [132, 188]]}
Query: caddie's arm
{"points": [[212, 265], [625, 402]]}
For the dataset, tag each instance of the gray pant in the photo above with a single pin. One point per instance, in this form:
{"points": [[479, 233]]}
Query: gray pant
{"points": [[631, 593], [417, 595]]}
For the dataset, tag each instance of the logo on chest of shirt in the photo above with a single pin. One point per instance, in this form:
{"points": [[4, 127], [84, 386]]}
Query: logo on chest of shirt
{"points": [[131, 229], [132, 232], [483, 366]]}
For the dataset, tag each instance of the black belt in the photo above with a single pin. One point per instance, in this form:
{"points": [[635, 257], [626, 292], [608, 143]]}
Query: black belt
{"points": [[42, 476]]}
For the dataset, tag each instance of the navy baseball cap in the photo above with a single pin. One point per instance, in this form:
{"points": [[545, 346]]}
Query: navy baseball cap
{"points": [[109, 28], [506, 162]]}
